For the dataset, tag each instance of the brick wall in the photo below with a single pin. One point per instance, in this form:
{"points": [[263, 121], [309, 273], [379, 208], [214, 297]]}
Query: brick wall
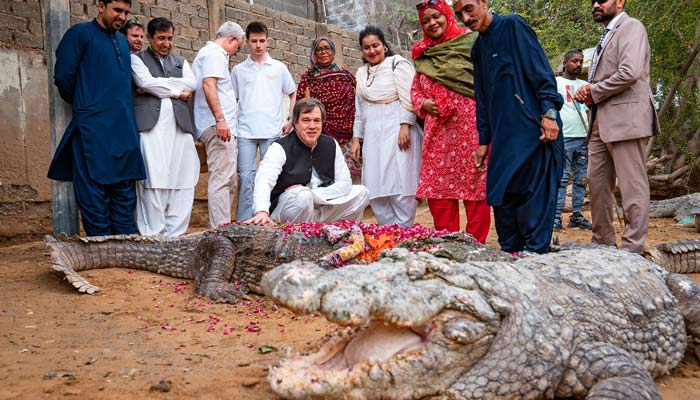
{"points": [[21, 24], [290, 36], [25, 192], [190, 17]]}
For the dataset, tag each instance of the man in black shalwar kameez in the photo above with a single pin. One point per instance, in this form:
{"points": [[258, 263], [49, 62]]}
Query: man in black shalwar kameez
{"points": [[99, 151], [525, 165]]}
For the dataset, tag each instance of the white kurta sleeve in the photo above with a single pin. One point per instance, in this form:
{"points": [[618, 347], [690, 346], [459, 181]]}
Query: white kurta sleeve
{"points": [[143, 79], [358, 127], [188, 83], [342, 181], [403, 75], [269, 170], [162, 87]]}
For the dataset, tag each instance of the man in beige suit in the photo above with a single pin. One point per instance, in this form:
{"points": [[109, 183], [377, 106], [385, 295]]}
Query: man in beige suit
{"points": [[622, 120]]}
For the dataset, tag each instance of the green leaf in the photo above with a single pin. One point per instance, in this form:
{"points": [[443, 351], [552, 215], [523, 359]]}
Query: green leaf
{"points": [[264, 349]]}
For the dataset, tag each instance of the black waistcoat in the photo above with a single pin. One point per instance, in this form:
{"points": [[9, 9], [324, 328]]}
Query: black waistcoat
{"points": [[147, 106], [301, 160]]}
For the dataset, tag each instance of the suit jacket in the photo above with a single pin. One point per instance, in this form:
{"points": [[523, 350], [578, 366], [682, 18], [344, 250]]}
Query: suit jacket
{"points": [[620, 87]]}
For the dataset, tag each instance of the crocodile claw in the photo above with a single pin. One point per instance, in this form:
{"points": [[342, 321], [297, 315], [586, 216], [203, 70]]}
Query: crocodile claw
{"points": [[222, 292]]}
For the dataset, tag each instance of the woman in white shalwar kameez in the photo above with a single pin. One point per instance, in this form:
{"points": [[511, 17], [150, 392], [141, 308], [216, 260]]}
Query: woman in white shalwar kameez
{"points": [[165, 198], [386, 124]]}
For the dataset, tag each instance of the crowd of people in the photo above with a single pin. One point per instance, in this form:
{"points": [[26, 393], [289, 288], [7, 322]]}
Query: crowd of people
{"points": [[476, 116]]}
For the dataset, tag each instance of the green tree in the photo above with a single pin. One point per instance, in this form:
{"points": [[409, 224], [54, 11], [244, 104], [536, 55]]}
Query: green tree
{"points": [[673, 28]]}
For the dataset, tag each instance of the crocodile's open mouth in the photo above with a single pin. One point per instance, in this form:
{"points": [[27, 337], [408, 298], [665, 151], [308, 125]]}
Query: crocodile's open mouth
{"points": [[381, 360], [409, 333], [346, 354], [378, 341]]}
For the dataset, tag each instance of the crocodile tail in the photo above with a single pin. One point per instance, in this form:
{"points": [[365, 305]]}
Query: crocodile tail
{"points": [[60, 261], [171, 257]]}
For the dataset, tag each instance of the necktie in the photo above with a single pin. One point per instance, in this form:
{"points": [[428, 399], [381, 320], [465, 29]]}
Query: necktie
{"points": [[599, 47], [596, 55]]}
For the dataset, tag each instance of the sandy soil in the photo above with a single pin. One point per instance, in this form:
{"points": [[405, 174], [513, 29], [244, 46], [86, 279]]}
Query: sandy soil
{"points": [[146, 336]]}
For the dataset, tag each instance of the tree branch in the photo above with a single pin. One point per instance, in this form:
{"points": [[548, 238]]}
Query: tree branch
{"points": [[672, 91]]}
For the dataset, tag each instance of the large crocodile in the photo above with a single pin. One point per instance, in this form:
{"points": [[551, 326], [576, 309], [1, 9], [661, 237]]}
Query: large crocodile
{"points": [[225, 263], [228, 262], [594, 323]]}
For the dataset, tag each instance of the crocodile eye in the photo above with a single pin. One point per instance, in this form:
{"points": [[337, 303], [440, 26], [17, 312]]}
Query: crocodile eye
{"points": [[464, 330]]}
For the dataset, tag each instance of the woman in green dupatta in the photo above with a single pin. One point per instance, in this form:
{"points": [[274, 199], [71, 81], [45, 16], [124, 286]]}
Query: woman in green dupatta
{"points": [[443, 95]]}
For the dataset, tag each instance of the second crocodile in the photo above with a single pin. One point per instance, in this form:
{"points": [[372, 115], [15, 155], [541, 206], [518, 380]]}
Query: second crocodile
{"points": [[228, 262]]}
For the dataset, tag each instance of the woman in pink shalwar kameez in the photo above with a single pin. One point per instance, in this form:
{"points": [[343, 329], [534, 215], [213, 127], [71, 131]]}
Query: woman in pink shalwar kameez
{"points": [[442, 94]]}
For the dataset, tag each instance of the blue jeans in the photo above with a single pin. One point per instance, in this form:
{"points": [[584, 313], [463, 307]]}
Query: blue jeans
{"points": [[247, 166], [577, 151]]}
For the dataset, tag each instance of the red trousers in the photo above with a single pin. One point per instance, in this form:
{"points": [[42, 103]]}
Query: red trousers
{"points": [[445, 214]]}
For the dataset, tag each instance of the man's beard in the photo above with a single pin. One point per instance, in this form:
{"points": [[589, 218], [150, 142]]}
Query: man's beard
{"points": [[604, 17], [111, 24]]}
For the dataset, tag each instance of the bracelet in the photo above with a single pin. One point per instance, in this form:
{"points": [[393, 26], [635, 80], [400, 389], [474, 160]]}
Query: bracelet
{"points": [[220, 120]]}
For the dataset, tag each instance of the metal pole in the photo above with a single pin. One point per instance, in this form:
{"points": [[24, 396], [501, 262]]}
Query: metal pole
{"points": [[56, 16]]}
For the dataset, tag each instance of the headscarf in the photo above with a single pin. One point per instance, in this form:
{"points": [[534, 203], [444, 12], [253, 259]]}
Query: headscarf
{"points": [[447, 60], [452, 29], [314, 63]]}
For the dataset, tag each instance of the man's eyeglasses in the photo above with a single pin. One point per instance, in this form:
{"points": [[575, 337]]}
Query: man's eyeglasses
{"points": [[426, 3], [601, 2], [320, 50]]}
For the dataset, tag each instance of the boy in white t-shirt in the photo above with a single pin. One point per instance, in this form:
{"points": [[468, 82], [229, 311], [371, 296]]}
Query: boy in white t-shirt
{"points": [[260, 84], [574, 118]]}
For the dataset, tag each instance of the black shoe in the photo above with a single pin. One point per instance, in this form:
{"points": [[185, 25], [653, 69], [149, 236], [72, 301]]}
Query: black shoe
{"points": [[577, 220], [557, 226]]}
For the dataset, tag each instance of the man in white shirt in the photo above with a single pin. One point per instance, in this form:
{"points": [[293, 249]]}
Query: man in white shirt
{"points": [[304, 177], [575, 122], [215, 115], [163, 111], [260, 84]]}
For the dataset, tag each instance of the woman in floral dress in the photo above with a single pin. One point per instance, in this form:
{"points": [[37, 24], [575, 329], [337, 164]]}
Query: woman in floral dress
{"points": [[334, 86]]}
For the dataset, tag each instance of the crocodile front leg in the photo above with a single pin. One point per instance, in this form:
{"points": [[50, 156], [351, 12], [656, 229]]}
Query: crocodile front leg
{"points": [[602, 371], [214, 263]]}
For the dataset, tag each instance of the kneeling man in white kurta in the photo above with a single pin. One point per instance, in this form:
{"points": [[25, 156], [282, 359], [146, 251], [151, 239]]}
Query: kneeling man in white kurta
{"points": [[304, 177], [163, 110]]}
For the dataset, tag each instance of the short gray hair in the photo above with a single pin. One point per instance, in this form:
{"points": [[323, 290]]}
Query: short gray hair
{"points": [[307, 105], [229, 29]]}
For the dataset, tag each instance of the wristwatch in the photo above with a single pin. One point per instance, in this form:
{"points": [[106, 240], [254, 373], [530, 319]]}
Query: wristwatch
{"points": [[551, 114], [220, 120]]}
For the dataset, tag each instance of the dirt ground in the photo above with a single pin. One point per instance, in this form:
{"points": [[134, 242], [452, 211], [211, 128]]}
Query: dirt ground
{"points": [[146, 336]]}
